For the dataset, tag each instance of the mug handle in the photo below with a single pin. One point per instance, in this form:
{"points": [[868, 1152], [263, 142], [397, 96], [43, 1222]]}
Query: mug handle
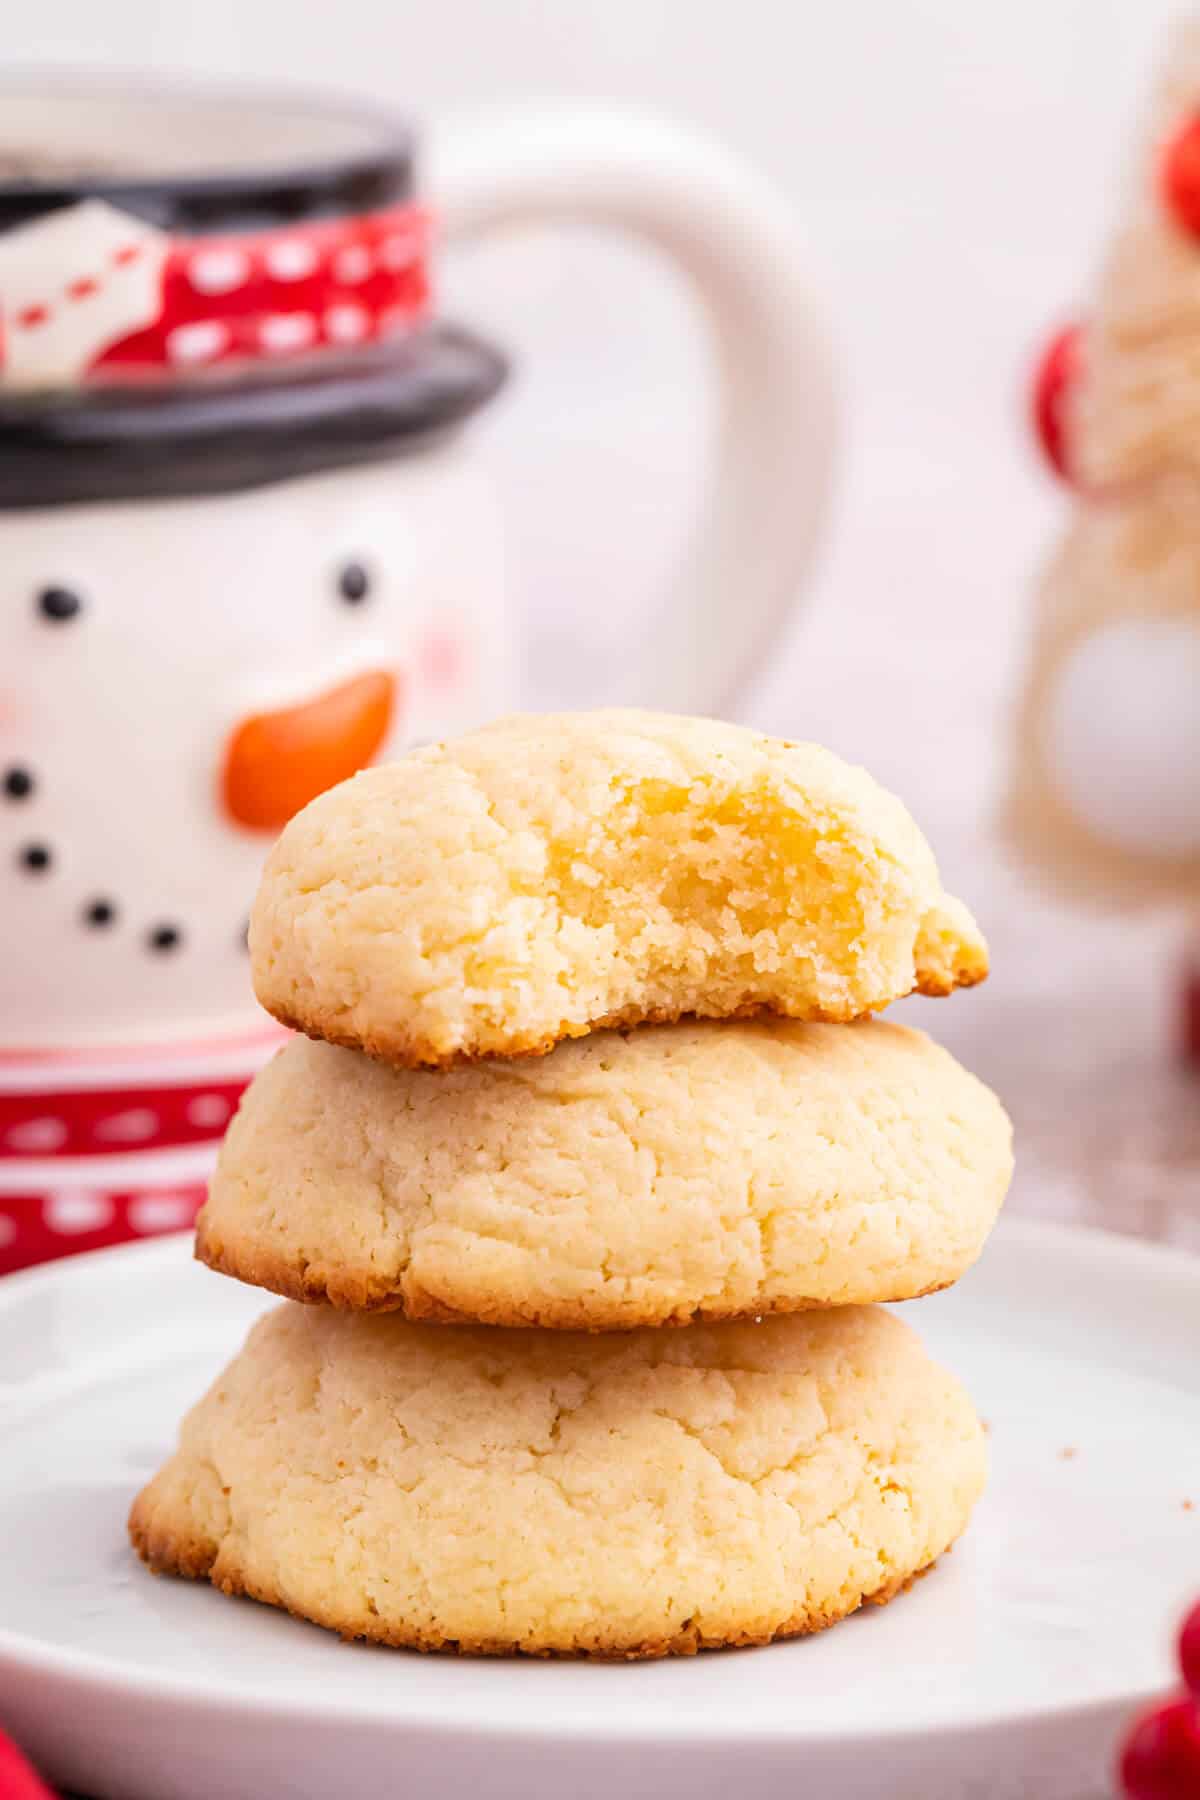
{"points": [[733, 237]]}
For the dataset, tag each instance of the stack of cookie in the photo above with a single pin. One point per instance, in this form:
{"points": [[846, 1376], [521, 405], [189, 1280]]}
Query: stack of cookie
{"points": [[591, 997]]}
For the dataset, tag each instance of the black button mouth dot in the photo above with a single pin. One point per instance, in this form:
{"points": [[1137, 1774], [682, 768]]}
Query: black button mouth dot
{"points": [[18, 783], [354, 583], [37, 858], [99, 914], [59, 604], [163, 938]]}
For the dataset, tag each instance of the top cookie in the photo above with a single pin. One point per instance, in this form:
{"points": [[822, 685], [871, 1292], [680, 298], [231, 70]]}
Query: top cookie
{"points": [[547, 875]]}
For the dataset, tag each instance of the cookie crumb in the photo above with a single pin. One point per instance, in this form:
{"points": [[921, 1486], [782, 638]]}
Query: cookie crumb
{"points": [[1189, 1506], [1068, 1453]]}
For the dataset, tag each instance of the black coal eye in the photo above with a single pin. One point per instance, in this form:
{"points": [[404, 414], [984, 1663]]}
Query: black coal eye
{"points": [[99, 913], [18, 784], [58, 604], [354, 583], [37, 858], [164, 938]]}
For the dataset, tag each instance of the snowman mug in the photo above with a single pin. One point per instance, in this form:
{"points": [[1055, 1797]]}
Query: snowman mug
{"points": [[246, 550]]}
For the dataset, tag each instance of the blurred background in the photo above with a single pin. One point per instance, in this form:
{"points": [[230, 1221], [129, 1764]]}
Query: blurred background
{"points": [[955, 172]]}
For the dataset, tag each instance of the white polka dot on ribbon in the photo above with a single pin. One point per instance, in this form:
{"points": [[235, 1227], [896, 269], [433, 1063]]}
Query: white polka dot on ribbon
{"points": [[290, 260], [353, 264], [347, 324], [36, 1137], [148, 1213], [218, 271], [207, 1111], [135, 1126], [287, 331], [70, 1211], [198, 342]]}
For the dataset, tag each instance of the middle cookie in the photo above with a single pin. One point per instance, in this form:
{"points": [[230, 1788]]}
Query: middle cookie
{"points": [[704, 1170]]}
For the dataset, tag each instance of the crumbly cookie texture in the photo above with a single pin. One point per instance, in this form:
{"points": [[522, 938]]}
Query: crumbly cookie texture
{"points": [[624, 1495], [493, 895], [699, 1170]]}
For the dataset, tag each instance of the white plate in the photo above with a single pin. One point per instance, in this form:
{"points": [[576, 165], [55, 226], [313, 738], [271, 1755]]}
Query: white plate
{"points": [[1008, 1671]]}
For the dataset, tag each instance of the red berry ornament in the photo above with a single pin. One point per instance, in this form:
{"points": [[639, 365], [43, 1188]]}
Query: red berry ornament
{"points": [[1056, 374], [1161, 1758], [1189, 1636], [17, 1779], [1179, 177]]}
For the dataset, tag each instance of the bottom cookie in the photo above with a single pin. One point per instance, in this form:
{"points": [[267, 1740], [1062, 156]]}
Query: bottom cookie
{"points": [[632, 1495]]}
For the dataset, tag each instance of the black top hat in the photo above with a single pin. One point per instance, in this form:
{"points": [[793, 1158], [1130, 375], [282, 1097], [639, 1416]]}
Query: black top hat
{"points": [[275, 287]]}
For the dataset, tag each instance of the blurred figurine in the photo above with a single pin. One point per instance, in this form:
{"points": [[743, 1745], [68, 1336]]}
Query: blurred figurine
{"points": [[1105, 791]]}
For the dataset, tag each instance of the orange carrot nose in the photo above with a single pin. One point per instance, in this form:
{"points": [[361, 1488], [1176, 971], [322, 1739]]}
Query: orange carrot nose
{"points": [[276, 762]]}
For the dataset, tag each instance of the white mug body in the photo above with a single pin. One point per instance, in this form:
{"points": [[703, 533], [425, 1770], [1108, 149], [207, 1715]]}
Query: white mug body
{"points": [[125, 882]]}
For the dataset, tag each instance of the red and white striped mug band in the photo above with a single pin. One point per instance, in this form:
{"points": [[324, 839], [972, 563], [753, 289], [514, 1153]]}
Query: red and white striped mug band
{"points": [[113, 1121], [92, 295]]}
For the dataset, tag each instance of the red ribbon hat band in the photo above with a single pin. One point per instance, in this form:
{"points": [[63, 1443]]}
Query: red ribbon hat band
{"points": [[91, 294], [204, 291]]}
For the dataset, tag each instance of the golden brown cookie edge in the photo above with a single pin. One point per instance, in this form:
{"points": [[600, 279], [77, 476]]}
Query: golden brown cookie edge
{"points": [[194, 1559]]}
